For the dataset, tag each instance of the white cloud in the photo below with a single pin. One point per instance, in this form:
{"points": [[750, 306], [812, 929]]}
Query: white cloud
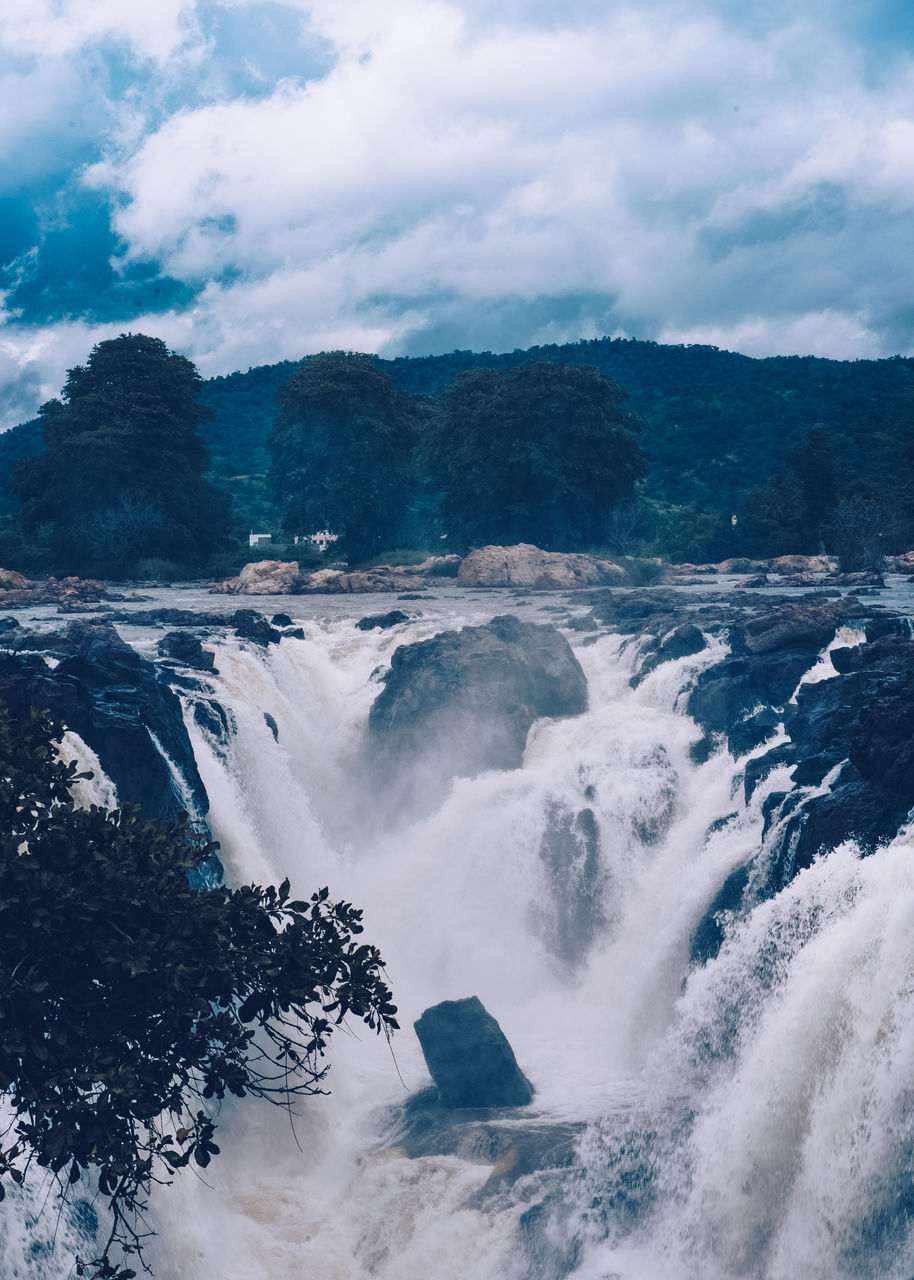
{"points": [[153, 29], [518, 162], [821, 333], [690, 178]]}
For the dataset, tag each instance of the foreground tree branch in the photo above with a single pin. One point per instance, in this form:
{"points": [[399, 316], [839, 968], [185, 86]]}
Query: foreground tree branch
{"points": [[129, 999]]}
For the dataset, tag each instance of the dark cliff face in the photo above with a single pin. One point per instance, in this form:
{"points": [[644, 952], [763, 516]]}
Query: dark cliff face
{"points": [[102, 689], [861, 722], [857, 725], [464, 701]]}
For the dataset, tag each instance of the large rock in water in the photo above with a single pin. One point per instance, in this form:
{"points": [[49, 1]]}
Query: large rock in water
{"points": [[527, 566], [469, 1057], [464, 701]]}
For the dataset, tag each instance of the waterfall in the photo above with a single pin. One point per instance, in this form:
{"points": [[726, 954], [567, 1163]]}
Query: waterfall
{"points": [[749, 1116]]}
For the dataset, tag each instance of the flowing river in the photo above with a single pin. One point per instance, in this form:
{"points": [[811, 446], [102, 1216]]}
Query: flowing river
{"points": [[747, 1117]]}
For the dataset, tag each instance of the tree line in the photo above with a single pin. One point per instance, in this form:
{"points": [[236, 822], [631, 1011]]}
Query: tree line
{"points": [[141, 469], [543, 453]]}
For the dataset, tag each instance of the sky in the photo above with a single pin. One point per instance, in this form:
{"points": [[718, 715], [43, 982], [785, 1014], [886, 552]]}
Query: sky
{"points": [[256, 180]]}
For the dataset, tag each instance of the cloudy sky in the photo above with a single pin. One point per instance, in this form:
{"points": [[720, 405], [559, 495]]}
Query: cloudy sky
{"points": [[253, 180]]}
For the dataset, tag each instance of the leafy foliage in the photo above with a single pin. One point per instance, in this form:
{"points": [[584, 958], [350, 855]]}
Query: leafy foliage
{"points": [[121, 477], [342, 451], [860, 531], [541, 454], [128, 999]]}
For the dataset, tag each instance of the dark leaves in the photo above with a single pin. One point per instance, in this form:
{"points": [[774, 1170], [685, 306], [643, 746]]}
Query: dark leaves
{"points": [[126, 995]]}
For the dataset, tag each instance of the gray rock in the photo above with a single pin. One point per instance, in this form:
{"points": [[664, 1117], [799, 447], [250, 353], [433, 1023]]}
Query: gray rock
{"points": [[527, 566], [253, 626], [382, 620], [469, 1057], [464, 701], [185, 649]]}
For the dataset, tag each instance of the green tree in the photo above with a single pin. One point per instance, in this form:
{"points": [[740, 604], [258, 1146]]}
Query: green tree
{"points": [[128, 999], [811, 465], [542, 453], [792, 513], [861, 531], [121, 478], [342, 451]]}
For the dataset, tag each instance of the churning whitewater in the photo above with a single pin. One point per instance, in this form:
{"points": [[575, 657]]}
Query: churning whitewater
{"points": [[745, 1116]]}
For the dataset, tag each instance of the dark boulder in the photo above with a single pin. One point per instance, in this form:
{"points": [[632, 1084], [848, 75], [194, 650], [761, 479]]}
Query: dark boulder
{"points": [[281, 620], [382, 620], [464, 701], [107, 693], [469, 1057], [253, 626], [186, 650]]}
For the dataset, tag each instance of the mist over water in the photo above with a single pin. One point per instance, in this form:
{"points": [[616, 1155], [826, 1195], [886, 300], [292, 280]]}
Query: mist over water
{"points": [[750, 1117]]}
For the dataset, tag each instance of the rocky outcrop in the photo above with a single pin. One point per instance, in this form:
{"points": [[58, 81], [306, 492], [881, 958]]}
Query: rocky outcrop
{"points": [[283, 577], [527, 566], [384, 578], [811, 566], [861, 721], [263, 578], [107, 693], [464, 701], [469, 1057], [770, 651], [801, 564], [69, 594]]}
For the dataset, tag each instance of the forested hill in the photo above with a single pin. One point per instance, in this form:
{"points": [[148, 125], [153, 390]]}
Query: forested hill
{"points": [[717, 424]]}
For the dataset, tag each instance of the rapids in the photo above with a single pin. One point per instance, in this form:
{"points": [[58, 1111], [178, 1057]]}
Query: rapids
{"points": [[751, 1117]]}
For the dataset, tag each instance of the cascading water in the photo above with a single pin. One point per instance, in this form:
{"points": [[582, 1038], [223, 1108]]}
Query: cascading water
{"points": [[749, 1116]]}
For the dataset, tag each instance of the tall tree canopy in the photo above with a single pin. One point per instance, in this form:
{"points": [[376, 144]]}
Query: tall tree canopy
{"points": [[121, 478], [342, 451], [542, 453], [128, 998]]}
